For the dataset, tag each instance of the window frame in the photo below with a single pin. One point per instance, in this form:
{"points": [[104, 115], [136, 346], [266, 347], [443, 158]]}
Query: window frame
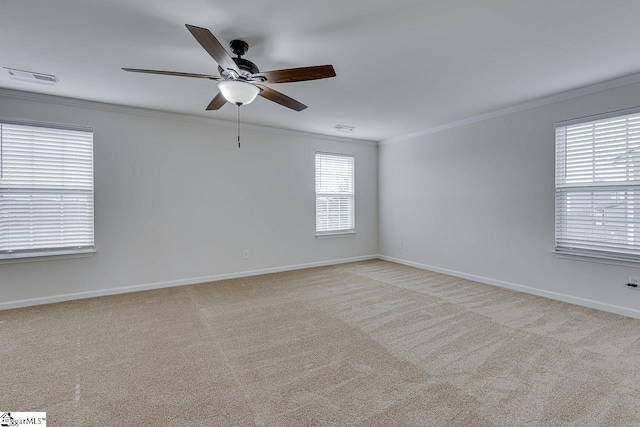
{"points": [[334, 233], [50, 253], [606, 255]]}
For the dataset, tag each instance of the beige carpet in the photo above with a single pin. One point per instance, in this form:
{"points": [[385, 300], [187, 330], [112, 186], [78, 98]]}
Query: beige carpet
{"points": [[363, 344]]}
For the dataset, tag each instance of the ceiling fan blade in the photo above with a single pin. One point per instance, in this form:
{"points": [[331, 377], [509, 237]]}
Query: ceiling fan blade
{"points": [[297, 74], [280, 98], [172, 73], [217, 102], [213, 46]]}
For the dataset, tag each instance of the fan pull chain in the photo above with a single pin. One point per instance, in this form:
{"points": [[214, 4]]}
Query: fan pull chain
{"points": [[238, 125]]}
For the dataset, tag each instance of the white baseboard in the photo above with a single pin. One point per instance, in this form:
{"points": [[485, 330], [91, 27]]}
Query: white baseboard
{"points": [[181, 282], [625, 311], [612, 308]]}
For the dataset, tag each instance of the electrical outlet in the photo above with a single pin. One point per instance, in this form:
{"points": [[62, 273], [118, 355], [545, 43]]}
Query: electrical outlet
{"points": [[245, 254], [400, 245], [634, 283]]}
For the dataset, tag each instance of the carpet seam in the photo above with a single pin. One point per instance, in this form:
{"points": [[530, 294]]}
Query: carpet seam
{"points": [[221, 350], [581, 351]]}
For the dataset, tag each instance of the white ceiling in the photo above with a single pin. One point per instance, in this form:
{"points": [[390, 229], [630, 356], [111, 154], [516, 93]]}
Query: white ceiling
{"points": [[401, 66]]}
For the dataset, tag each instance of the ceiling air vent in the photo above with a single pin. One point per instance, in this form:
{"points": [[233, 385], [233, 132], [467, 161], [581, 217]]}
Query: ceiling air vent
{"points": [[28, 76], [344, 128]]}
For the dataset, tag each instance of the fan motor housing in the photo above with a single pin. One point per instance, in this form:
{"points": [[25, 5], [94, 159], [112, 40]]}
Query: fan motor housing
{"points": [[246, 67], [239, 48]]}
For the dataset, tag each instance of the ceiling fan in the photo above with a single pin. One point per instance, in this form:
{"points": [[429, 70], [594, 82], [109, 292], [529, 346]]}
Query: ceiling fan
{"points": [[240, 79]]}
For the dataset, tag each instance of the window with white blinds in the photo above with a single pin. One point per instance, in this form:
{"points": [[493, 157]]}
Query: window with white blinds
{"points": [[46, 190], [598, 186], [335, 194]]}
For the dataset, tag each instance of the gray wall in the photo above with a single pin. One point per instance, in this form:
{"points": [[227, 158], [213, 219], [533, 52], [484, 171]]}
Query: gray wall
{"points": [[177, 200], [479, 200], [476, 200]]}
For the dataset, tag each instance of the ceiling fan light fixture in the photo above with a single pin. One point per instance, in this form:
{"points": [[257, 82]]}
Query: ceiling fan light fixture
{"points": [[239, 93], [240, 79]]}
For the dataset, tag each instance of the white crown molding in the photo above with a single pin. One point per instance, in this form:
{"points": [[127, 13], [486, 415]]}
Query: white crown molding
{"points": [[563, 96], [165, 115]]}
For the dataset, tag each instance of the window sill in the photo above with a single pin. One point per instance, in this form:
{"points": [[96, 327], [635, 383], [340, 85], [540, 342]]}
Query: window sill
{"points": [[336, 234], [598, 259], [20, 258]]}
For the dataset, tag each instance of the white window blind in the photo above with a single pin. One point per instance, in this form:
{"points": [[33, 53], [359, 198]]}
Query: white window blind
{"points": [[335, 193], [46, 190], [598, 186]]}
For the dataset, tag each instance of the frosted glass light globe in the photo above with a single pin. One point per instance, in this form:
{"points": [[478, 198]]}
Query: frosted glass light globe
{"points": [[238, 92]]}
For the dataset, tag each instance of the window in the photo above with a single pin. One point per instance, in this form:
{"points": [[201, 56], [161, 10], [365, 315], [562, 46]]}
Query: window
{"points": [[335, 194], [598, 186], [46, 190]]}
